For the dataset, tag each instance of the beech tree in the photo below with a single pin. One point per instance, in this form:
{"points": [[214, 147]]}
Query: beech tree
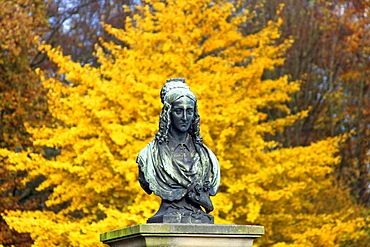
{"points": [[22, 99], [107, 114], [330, 55]]}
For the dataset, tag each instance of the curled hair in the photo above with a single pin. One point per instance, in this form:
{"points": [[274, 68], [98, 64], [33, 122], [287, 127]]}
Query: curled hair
{"points": [[165, 124], [194, 129]]}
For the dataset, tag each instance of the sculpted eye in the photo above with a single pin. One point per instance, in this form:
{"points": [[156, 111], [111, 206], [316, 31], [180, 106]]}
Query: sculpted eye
{"points": [[190, 112], [178, 111]]}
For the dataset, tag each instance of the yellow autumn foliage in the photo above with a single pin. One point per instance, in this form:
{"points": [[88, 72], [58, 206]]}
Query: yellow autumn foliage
{"points": [[106, 115]]}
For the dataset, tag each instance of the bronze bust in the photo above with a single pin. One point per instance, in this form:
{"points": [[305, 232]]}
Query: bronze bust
{"points": [[176, 165]]}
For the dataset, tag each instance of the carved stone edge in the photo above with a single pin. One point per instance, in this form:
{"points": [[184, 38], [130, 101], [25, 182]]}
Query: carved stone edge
{"points": [[253, 231]]}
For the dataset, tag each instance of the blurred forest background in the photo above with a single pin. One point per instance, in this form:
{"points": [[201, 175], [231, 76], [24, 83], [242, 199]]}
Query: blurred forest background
{"points": [[330, 56]]}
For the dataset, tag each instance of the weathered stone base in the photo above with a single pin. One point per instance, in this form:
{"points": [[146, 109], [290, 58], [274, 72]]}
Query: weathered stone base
{"points": [[183, 235]]}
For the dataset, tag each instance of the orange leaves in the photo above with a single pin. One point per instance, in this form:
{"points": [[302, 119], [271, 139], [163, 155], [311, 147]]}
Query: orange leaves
{"points": [[22, 100]]}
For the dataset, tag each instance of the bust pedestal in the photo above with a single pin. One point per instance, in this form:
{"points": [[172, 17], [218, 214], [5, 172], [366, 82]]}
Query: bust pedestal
{"points": [[184, 235]]}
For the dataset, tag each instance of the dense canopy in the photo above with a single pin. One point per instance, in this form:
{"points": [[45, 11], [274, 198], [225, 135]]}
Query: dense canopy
{"points": [[103, 115]]}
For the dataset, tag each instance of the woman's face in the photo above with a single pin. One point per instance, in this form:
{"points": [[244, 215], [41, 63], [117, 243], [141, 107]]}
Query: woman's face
{"points": [[182, 114]]}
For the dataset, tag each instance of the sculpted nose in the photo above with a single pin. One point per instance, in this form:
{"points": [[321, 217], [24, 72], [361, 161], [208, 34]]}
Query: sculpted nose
{"points": [[184, 116]]}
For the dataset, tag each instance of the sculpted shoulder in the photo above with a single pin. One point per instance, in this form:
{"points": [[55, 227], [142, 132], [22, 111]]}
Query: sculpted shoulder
{"points": [[145, 154]]}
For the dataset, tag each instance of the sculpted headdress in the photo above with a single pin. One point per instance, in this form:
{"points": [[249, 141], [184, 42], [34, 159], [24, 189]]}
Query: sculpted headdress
{"points": [[174, 89]]}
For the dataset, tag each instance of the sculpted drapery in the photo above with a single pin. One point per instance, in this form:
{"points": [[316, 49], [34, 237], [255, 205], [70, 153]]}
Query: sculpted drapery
{"points": [[162, 175]]}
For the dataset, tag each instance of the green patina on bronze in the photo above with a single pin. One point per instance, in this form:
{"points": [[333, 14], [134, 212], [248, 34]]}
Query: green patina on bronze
{"points": [[176, 165]]}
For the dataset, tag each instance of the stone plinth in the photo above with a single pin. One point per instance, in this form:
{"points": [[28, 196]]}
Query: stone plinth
{"points": [[184, 235]]}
